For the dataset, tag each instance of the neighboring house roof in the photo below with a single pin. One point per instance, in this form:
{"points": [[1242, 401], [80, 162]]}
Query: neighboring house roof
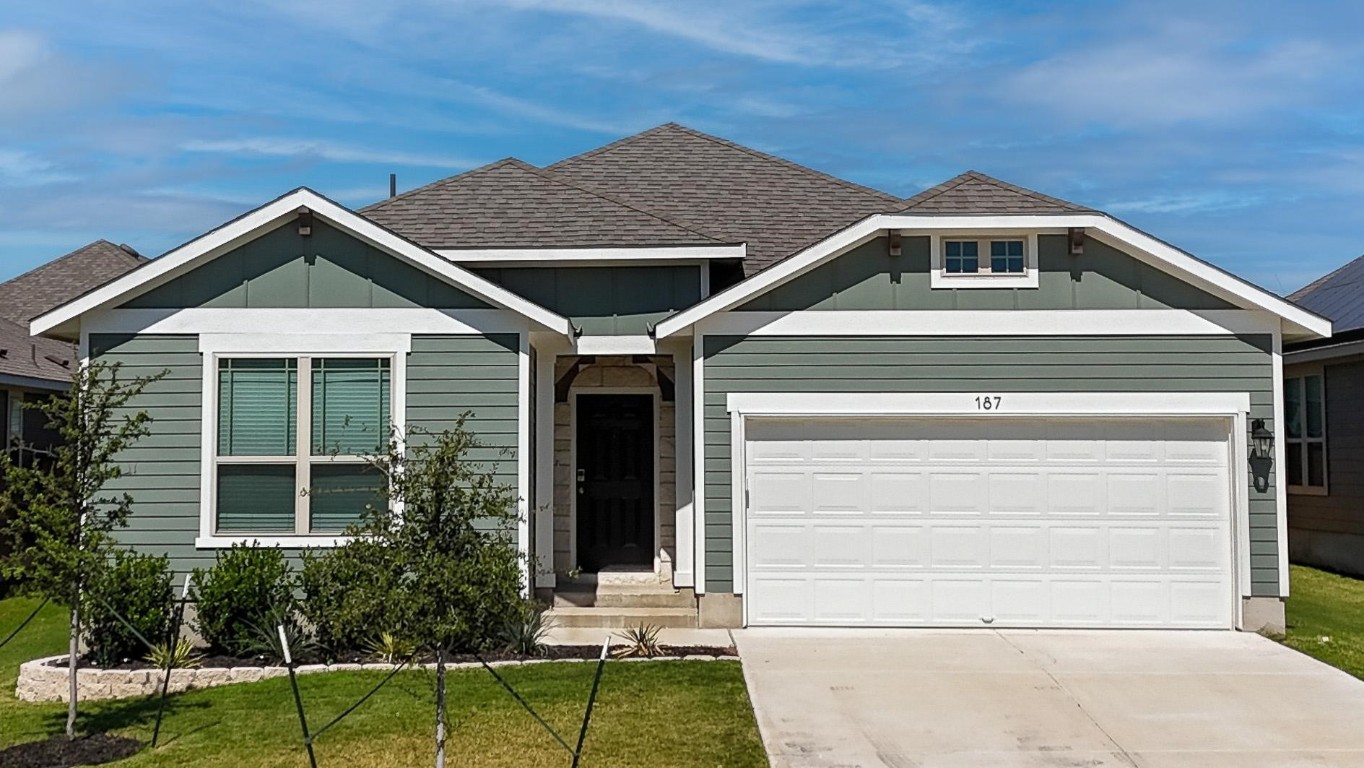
{"points": [[64, 320], [1338, 295], [974, 193], [60, 280], [33, 361], [36, 361], [734, 193], [511, 204]]}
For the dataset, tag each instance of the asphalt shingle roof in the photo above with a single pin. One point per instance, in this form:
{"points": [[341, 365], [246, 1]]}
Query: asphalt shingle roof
{"points": [[734, 193], [974, 193], [1338, 296], [50, 285], [60, 280], [511, 204]]}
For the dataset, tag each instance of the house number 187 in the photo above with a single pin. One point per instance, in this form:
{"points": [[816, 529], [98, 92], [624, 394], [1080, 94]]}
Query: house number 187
{"points": [[987, 402]]}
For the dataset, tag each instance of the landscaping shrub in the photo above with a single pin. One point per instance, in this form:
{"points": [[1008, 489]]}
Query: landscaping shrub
{"points": [[136, 587], [246, 586], [347, 594]]}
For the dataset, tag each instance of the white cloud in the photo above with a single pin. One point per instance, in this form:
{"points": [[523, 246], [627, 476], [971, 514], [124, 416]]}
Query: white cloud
{"points": [[305, 148], [1184, 73], [1187, 203], [24, 169], [35, 78]]}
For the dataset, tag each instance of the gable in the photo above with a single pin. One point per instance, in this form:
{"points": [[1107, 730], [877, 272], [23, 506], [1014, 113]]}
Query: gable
{"points": [[617, 300], [868, 278], [329, 268]]}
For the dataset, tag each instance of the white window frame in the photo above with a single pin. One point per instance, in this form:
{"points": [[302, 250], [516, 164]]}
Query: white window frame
{"points": [[941, 278], [1308, 490], [215, 347]]}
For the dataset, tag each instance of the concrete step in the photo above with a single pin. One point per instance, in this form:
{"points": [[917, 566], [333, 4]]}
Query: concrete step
{"points": [[622, 596], [621, 618]]}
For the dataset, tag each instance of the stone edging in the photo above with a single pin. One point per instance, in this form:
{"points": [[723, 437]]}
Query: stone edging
{"points": [[40, 681]]}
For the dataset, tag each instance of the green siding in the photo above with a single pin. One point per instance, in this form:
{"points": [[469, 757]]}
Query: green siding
{"points": [[1103, 278], [327, 269], [1022, 364], [451, 375], [605, 300]]}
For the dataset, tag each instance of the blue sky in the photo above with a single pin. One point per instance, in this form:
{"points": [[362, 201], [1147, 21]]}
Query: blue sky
{"points": [[1232, 129]]}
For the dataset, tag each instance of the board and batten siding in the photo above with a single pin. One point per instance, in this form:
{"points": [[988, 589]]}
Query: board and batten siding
{"points": [[451, 375], [446, 376], [973, 364]]}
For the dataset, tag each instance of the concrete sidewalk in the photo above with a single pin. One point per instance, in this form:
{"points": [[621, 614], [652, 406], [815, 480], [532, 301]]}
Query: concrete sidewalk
{"points": [[668, 636], [940, 699]]}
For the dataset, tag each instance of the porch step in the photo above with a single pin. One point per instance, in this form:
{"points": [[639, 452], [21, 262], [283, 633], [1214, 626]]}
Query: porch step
{"points": [[621, 618], [582, 595]]}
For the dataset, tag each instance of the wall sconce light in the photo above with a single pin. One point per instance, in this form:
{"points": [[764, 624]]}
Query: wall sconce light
{"points": [[1076, 237], [1261, 440], [894, 244], [305, 222]]}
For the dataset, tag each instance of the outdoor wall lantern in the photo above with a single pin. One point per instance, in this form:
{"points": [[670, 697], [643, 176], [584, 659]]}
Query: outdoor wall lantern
{"points": [[1261, 440]]}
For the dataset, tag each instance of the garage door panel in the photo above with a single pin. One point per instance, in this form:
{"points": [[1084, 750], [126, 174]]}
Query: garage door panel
{"points": [[989, 522]]}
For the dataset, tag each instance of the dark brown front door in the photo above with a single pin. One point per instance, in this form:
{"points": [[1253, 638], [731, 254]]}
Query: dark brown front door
{"points": [[615, 480]]}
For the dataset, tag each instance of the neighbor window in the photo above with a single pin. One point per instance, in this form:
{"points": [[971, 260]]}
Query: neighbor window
{"points": [[1305, 431], [981, 261], [293, 437]]}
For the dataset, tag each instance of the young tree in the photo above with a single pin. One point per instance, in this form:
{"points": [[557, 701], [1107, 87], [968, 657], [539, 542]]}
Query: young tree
{"points": [[58, 515], [445, 550]]}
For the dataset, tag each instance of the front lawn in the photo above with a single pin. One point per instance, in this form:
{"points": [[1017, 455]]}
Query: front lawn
{"points": [[655, 714], [1326, 618]]}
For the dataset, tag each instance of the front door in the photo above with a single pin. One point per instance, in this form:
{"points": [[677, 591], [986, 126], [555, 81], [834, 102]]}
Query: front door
{"points": [[615, 480]]}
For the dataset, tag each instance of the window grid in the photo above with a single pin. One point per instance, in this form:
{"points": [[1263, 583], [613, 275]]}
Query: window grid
{"points": [[256, 480], [1007, 256], [1305, 432]]}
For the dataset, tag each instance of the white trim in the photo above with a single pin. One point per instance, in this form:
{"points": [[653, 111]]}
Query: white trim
{"points": [[1009, 403], [1004, 322], [1328, 352], [541, 256], [303, 347], [573, 394], [1108, 230], [684, 529], [1280, 469], [1234, 407], [1303, 371], [940, 279], [544, 467], [300, 344], [523, 462], [256, 223], [615, 345], [698, 424], [316, 321]]}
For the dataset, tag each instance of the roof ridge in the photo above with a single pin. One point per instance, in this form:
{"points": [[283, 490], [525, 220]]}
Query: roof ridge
{"points": [[936, 190], [863, 189], [443, 181], [1312, 287], [1040, 196], [974, 175], [71, 254]]}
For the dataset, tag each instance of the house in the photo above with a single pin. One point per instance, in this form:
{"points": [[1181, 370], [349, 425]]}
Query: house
{"points": [[1324, 430], [786, 398], [32, 367]]}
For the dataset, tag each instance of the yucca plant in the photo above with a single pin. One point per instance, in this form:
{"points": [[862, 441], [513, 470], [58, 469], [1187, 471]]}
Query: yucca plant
{"points": [[525, 634], [264, 636], [390, 649], [180, 654], [639, 642]]}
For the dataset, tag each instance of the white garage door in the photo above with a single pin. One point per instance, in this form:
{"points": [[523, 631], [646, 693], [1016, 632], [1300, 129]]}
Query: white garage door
{"points": [[989, 522]]}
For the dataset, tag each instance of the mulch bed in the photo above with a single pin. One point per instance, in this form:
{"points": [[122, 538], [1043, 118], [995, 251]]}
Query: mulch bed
{"points": [[552, 652], [59, 752]]}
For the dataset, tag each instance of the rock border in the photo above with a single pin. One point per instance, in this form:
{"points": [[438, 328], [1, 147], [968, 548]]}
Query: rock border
{"points": [[40, 680]]}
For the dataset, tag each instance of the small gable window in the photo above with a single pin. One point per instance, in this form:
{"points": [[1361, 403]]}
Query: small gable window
{"points": [[987, 261]]}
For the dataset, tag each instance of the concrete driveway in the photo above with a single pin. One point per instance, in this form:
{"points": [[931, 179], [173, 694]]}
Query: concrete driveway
{"points": [[922, 698]]}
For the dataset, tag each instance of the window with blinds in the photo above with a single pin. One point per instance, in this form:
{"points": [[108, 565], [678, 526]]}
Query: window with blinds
{"points": [[293, 437]]}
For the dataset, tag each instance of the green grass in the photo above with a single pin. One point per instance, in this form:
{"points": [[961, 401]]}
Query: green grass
{"points": [[1326, 618], [647, 714]]}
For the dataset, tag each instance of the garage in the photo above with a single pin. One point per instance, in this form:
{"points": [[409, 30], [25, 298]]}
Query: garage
{"points": [[1002, 521]]}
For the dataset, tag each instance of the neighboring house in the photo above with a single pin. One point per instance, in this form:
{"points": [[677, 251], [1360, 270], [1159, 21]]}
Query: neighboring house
{"points": [[34, 366], [1325, 428], [798, 399]]}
